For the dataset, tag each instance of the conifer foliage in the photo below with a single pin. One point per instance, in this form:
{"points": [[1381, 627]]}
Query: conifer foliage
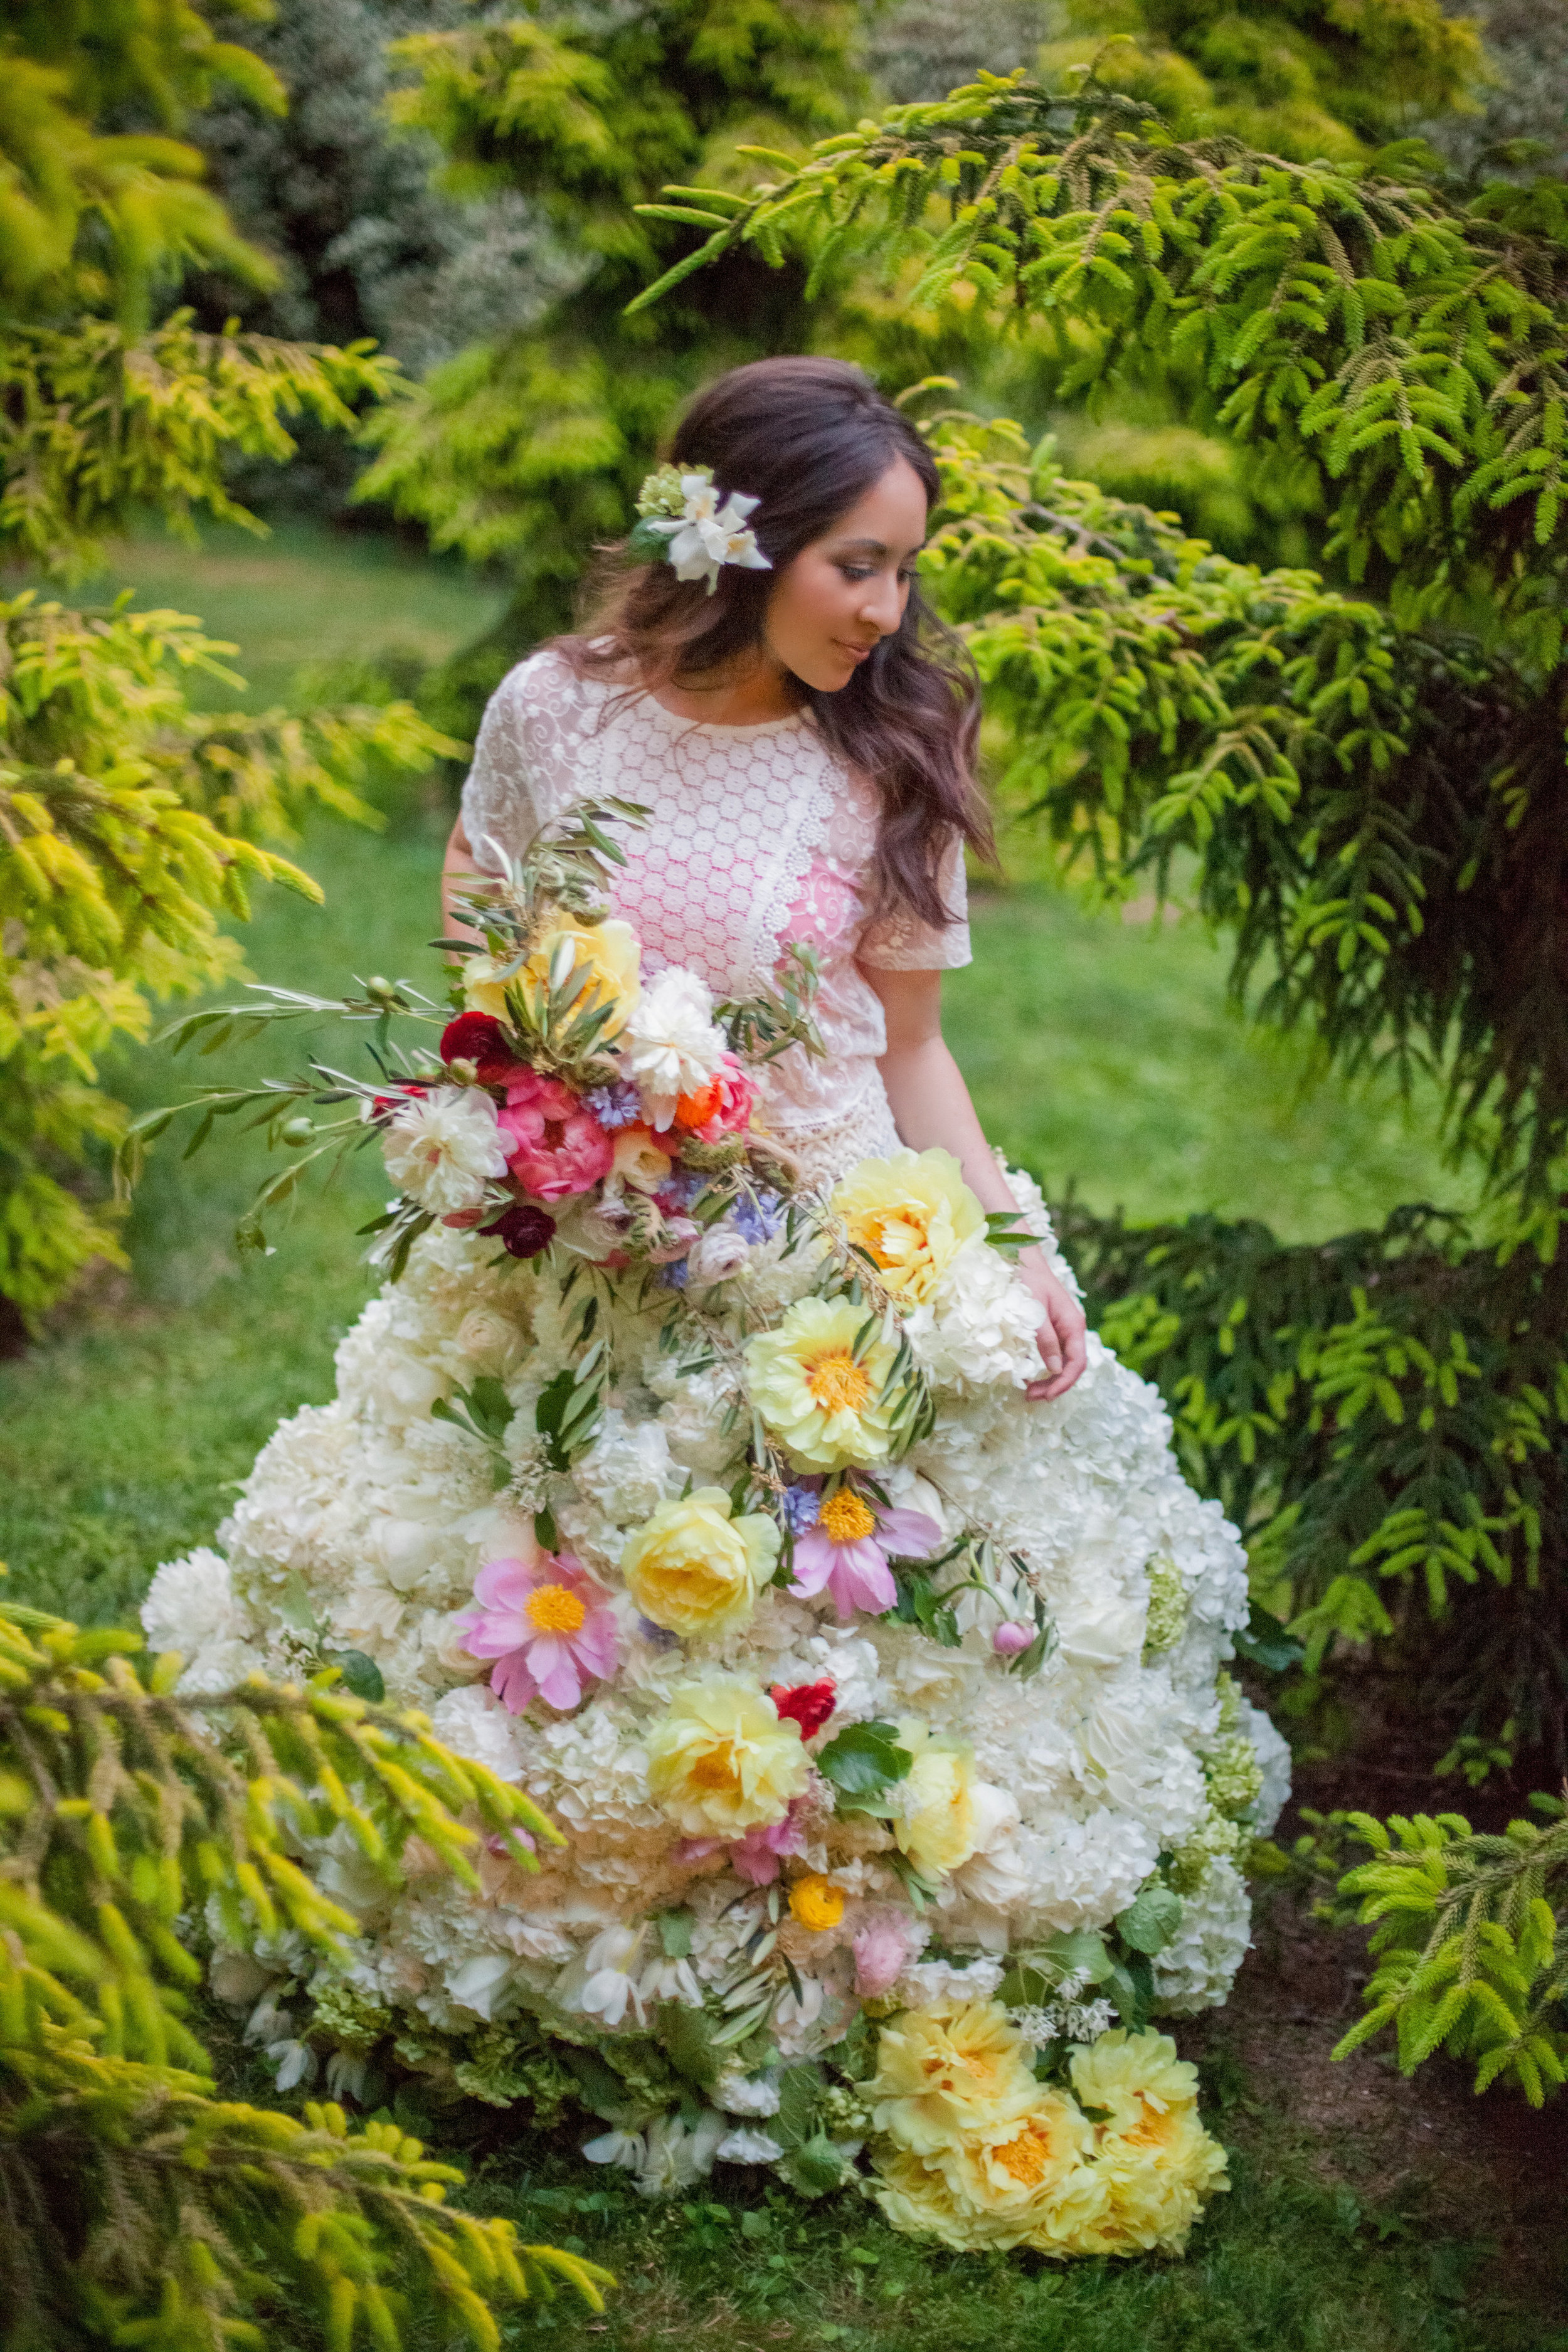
{"points": [[1366, 779], [141, 2209], [129, 824]]}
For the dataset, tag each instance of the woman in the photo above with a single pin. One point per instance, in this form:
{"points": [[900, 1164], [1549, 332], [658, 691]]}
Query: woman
{"points": [[856, 1753], [804, 731]]}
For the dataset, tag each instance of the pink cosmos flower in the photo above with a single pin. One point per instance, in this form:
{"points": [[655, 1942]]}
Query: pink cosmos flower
{"points": [[546, 1623], [883, 1949], [555, 1146], [846, 1553]]}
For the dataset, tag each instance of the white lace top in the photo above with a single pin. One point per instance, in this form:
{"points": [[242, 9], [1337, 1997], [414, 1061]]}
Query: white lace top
{"points": [[758, 836]]}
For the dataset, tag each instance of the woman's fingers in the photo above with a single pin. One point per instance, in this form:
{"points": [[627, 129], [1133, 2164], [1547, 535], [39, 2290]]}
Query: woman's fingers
{"points": [[1063, 1345]]}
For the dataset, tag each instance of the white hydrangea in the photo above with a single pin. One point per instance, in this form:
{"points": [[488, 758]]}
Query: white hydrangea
{"points": [[978, 1329], [1197, 1968], [1274, 1757]]}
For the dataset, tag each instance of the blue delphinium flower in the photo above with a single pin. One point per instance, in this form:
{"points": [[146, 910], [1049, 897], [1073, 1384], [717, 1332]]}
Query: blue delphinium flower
{"points": [[673, 1276], [799, 1509], [617, 1105], [758, 1220], [678, 1191]]}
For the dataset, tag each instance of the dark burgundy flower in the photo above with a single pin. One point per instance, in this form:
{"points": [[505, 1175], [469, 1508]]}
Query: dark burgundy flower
{"points": [[523, 1231], [808, 1704], [478, 1037]]}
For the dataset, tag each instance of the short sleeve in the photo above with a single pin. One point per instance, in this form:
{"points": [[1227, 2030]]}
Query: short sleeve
{"points": [[901, 942], [527, 757]]}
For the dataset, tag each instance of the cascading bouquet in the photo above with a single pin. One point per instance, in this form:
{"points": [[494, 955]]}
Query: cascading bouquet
{"points": [[901, 1783]]}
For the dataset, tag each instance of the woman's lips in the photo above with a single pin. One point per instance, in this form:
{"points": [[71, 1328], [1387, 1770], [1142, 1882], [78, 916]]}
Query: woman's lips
{"points": [[856, 653]]}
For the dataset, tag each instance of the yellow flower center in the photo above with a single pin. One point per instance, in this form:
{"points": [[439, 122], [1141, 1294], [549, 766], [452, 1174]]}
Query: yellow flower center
{"points": [[1026, 2158], [714, 1768], [554, 1609], [816, 1902], [893, 1236], [844, 1517], [837, 1383]]}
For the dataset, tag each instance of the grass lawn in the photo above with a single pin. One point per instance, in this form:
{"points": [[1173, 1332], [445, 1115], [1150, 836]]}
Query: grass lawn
{"points": [[1099, 1053]]}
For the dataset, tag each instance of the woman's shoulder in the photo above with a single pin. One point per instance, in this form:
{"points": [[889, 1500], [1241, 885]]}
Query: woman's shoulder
{"points": [[545, 681]]}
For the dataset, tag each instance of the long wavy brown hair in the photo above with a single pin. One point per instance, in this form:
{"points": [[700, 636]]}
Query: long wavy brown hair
{"points": [[808, 438]]}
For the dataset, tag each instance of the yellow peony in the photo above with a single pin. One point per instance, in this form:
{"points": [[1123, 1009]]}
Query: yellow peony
{"points": [[941, 1828], [697, 1571], [959, 2068], [823, 1404], [1156, 2162], [721, 1762], [816, 1902], [911, 1213], [1026, 2182], [610, 950]]}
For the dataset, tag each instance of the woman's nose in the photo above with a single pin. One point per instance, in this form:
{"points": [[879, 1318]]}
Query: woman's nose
{"points": [[882, 607]]}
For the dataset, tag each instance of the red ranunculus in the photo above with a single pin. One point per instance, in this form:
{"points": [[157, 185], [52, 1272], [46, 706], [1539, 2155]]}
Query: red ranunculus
{"points": [[808, 1704], [721, 1107], [478, 1037], [523, 1231]]}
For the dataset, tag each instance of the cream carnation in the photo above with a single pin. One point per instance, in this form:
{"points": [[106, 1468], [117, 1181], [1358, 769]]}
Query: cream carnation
{"points": [[672, 1046]]}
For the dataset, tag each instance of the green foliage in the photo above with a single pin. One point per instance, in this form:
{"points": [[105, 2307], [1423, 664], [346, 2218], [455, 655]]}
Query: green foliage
{"points": [[147, 2210], [128, 829], [1470, 1936], [529, 447], [1303, 81]]}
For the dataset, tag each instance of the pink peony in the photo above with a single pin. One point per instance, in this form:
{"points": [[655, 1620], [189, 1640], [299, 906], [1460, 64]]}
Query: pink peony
{"points": [[555, 1146], [846, 1553], [883, 1949], [754, 1857], [546, 1623]]}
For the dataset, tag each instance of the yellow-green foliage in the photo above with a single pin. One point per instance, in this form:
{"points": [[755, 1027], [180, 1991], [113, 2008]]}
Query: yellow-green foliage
{"points": [[128, 828], [1471, 1937], [142, 2209]]}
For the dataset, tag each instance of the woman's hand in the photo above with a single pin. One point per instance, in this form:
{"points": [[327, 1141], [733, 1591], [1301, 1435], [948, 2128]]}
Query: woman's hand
{"points": [[1060, 1338]]}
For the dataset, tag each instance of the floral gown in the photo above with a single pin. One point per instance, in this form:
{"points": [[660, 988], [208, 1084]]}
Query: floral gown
{"points": [[1127, 1759]]}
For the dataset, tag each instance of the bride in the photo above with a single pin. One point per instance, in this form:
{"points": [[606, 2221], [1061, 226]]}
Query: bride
{"points": [[899, 1797]]}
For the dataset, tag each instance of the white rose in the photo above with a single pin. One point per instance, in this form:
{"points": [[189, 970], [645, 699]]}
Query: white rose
{"points": [[1099, 1629], [719, 1253], [486, 1336], [443, 1148]]}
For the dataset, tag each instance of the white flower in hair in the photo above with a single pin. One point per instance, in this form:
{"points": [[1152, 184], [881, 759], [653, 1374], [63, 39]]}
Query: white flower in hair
{"points": [[699, 534]]}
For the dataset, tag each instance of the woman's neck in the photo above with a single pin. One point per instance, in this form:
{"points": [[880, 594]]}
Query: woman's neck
{"points": [[745, 692]]}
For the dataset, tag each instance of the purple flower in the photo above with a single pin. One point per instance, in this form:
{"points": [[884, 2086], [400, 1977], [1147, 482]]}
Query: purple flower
{"points": [[680, 1190], [673, 1276], [799, 1509], [758, 1220], [617, 1105], [846, 1553]]}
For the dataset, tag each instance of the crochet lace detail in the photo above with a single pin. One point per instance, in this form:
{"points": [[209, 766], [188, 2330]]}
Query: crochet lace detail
{"points": [[757, 836]]}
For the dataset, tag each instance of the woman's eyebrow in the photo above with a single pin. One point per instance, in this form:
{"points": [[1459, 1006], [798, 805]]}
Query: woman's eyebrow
{"points": [[872, 547]]}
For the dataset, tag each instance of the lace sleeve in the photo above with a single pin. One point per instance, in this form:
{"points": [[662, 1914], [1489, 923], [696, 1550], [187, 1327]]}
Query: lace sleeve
{"points": [[527, 756], [901, 942]]}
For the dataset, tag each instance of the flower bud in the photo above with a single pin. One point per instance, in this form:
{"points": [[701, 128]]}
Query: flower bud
{"points": [[1011, 1640]]}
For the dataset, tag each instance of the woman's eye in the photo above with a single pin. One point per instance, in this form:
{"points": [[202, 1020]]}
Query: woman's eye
{"points": [[856, 571]]}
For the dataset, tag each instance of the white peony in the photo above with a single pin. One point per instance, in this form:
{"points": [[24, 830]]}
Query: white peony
{"points": [[671, 1045], [443, 1148]]}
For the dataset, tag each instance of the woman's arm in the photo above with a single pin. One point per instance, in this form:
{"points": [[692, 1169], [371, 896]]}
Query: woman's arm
{"points": [[458, 871], [930, 1107]]}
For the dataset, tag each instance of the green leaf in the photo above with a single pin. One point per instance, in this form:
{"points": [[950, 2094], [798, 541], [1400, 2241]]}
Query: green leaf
{"points": [[800, 2098], [1151, 1919], [294, 1607], [863, 1763], [361, 1675], [816, 2168], [1263, 1642], [687, 2036], [675, 1932]]}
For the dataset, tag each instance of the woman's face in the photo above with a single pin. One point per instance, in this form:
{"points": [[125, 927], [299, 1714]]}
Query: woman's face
{"points": [[847, 589]]}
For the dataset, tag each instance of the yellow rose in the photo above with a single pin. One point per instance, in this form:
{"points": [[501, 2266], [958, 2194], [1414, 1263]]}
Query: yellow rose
{"points": [[483, 992], [942, 2072], [638, 1162], [823, 1403], [941, 1828], [610, 952], [816, 1902], [911, 1213], [696, 1571], [721, 1762]]}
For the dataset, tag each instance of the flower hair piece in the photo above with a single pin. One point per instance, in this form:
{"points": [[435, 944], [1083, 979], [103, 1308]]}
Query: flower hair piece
{"points": [[682, 521]]}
